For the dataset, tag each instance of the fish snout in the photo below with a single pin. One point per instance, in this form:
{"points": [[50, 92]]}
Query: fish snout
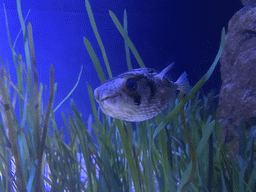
{"points": [[102, 95]]}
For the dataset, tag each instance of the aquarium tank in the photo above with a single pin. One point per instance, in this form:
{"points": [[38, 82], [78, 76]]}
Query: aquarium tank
{"points": [[59, 134]]}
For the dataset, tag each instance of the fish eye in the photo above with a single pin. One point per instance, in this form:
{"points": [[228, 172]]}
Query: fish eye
{"points": [[131, 85]]}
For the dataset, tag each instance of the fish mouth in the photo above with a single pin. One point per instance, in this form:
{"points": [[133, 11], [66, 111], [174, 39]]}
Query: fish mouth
{"points": [[107, 98]]}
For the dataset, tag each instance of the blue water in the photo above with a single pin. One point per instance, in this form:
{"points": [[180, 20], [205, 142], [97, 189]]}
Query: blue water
{"points": [[184, 32]]}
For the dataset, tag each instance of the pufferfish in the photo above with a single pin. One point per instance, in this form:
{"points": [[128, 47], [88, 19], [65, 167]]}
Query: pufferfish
{"points": [[139, 94]]}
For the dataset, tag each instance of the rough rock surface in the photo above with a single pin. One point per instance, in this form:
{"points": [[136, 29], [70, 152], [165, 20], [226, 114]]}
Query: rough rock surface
{"points": [[248, 2], [238, 73]]}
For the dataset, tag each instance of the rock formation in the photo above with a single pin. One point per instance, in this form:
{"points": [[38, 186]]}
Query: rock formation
{"points": [[238, 72], [248, 2]]}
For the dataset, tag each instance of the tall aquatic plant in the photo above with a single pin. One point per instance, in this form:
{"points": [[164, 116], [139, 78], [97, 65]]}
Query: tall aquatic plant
{"points": [[27, 139], [28, 128]]}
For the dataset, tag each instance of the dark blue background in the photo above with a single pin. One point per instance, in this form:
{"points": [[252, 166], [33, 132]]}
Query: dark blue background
{"points": [[187, 32]]}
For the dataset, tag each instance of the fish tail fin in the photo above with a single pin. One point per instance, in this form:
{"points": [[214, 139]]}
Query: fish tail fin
{"points": [[183, 84]]}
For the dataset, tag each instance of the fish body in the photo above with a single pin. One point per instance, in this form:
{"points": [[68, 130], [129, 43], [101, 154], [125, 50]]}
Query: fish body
{"points": [[139, 94]]}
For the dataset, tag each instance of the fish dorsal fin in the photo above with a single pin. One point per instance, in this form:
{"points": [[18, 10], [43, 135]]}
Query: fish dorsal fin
{"points": [[164, 71]]}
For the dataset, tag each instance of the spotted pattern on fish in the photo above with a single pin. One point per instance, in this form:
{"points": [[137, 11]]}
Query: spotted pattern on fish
{"points": [[139, 94]]}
